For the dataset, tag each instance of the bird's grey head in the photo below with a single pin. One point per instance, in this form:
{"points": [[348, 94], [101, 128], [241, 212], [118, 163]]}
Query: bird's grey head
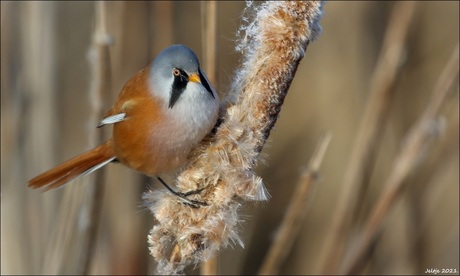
{"points": [[172, 70], [175, 56]]}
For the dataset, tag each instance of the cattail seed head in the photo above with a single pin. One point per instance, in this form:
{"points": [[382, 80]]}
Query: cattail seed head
{"points": [[274, 41]]}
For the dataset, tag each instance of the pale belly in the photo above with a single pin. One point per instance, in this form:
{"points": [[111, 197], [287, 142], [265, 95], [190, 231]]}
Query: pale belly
{"points": [[155, 146], [152, 149]]}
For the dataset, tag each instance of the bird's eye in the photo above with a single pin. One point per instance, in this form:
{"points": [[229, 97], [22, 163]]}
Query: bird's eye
{"points": [[176, 72]]}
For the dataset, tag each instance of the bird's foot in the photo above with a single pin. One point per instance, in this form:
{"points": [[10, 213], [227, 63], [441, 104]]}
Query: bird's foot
{"points": [[183, 196]]}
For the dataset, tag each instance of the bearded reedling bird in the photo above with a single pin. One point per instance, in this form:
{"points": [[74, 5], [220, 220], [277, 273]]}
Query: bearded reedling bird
{"points": [[161, 113]]}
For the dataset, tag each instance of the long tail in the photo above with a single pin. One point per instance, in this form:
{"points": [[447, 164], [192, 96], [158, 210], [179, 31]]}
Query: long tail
{"points": [[80, 165]]}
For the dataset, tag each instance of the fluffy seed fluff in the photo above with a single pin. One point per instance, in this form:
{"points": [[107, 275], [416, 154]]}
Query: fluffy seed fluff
{"points": [[274, 40]]}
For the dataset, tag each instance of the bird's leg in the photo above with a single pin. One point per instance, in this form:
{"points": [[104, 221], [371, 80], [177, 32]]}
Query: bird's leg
{"points": [[183, 196]]}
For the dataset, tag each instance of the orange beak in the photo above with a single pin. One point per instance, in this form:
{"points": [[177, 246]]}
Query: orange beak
{"points": [[194, 78]]}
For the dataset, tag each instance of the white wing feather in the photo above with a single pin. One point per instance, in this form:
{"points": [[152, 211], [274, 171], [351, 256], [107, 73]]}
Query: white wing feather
{"points": [[112, 119]]}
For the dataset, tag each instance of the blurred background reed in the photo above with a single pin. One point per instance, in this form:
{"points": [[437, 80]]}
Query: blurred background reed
{"points": [[49, 113]]}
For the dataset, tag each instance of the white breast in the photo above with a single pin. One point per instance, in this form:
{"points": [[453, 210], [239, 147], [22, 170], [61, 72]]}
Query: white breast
{"points": [[190, 119]]}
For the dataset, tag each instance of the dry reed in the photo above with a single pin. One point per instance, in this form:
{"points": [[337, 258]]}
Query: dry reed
{"points": [[370, 130], [274, 41], [209, 63], [295, 213], [99, 92], [83, 201], [413, 151]]}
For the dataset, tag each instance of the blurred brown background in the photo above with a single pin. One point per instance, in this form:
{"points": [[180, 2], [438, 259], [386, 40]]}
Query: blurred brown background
{"points": [[47, 116]]}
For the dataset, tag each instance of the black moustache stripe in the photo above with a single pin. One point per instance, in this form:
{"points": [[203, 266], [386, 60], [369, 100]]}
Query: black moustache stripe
{"points": [[178, 86]]}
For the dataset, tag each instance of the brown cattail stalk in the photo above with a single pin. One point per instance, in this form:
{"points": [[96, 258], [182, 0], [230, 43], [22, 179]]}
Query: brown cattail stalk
{"points": [[209, 38], [77, 197], [209, 43], [273, 44], [100, 91]]}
